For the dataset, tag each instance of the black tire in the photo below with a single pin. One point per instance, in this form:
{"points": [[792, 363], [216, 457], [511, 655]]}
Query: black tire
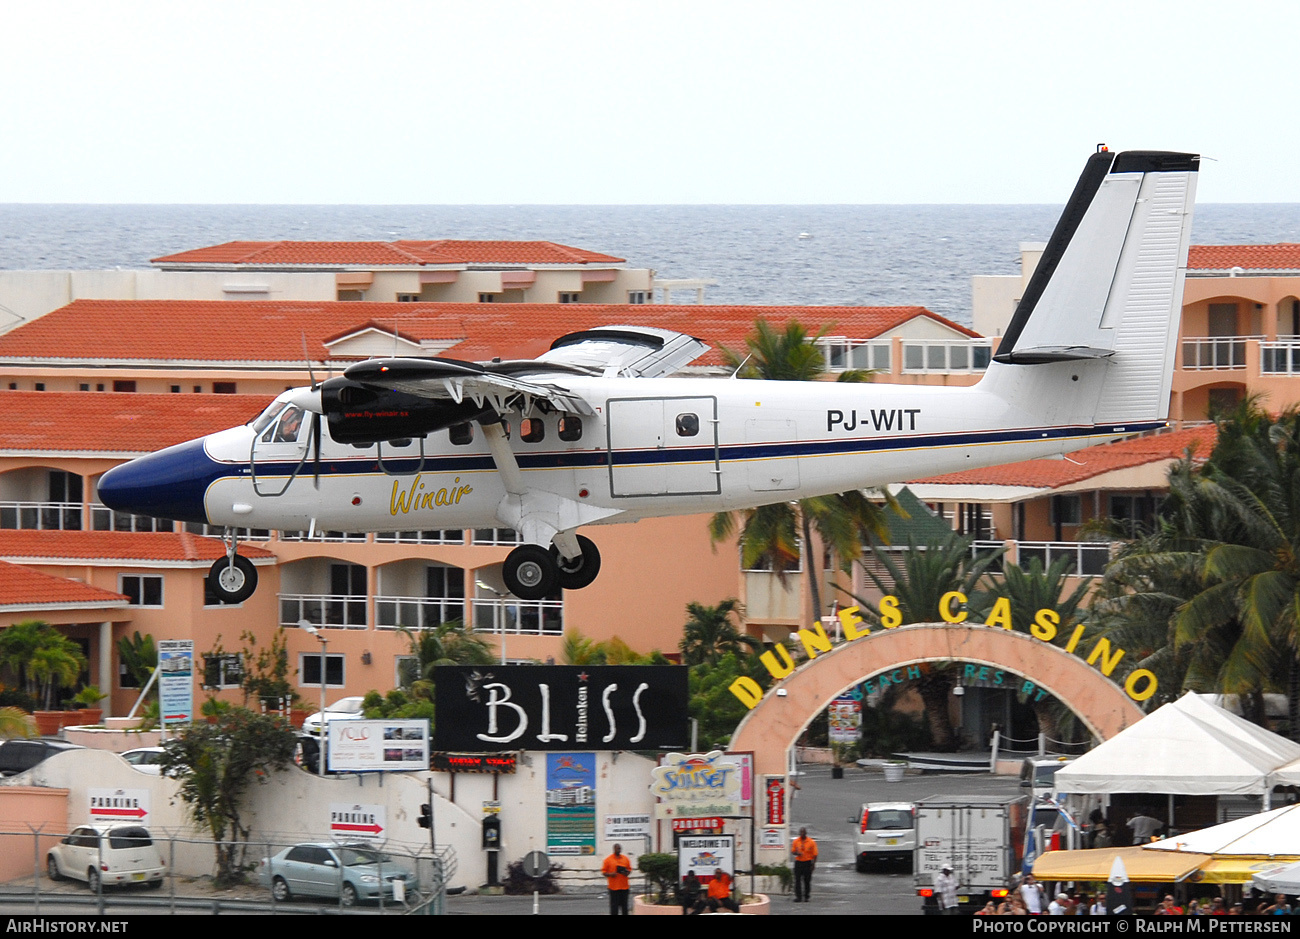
{"points": [[862, 865], [156, 884], [93, 880], [233, 584], [52, 868], [280, 890], [581, 571], [529, 572], [348, 896]]}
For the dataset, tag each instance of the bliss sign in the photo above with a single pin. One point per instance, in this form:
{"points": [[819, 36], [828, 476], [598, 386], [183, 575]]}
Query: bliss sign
{"points": [[560, 707]]}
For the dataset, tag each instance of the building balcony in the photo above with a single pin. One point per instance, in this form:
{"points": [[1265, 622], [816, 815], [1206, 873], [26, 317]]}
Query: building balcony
{"points": [[1216, 352], [42, 516], [510, 616], [330, 611], [951, 356], [417, 612], [1090, 557]]}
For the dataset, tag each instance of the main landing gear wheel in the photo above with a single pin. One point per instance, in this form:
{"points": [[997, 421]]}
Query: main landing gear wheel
{"points": [[233, 584], [529, 572], [582, 570]]}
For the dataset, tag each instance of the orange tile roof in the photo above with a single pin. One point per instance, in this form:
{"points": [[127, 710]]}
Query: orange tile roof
{"points": [[1088, 463], [33, 546], [22, 586], [1278, 257], [385, 253], [273, 331], [108, 422]]}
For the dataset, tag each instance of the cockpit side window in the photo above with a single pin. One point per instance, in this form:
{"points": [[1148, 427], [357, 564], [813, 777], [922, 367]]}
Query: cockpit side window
{"points": [[267, 417], [290, 425]]}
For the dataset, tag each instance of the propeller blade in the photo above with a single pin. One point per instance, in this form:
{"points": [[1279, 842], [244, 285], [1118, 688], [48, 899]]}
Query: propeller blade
{"points": [[315, 439], [307, 358]]}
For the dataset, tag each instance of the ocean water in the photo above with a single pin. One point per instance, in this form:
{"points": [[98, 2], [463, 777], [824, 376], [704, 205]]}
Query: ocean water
{"points": [[855, 254]]}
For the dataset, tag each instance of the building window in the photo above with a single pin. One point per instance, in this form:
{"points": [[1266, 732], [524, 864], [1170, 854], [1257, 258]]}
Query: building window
{"points": [[126, 386], [309, 670], [84, 386], [224, 670], [141, 589], [568, 296], [487, 298], [352, 295], [223, 388], [1066, 510], [198, 389], [408, 298], [638, 296], [176, 389], [99, 387], [39, 386]]}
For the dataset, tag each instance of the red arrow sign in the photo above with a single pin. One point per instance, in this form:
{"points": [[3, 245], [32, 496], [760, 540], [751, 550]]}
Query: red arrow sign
{"points": [[120, 813], [370, 829]]}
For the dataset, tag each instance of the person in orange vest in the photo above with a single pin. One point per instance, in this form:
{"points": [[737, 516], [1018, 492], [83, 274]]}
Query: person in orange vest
{"points": [[720, 893], [616, 868], [804, 850]]}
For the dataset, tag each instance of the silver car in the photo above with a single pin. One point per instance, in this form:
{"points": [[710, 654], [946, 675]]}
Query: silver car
{"points": [[107, 854], [886, 831], [348, 873]]}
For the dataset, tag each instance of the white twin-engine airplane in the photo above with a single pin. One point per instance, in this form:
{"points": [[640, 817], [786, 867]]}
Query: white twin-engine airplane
{"points": [[593, 432]]}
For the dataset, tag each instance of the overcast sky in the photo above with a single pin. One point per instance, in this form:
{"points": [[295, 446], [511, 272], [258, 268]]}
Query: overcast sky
{"points": [[623, 101]]}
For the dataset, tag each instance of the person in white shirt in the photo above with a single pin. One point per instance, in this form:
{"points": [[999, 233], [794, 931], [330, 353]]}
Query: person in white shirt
{"points": [[945, 885], [1143, 827], [1031, 892], [1060, 905]]}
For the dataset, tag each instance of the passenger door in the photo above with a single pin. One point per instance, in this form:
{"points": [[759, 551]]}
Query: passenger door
{"points": [[663, 446]]}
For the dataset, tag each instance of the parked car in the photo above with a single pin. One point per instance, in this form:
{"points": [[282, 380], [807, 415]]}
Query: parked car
{"points": [[145, 759], [886, 831], [348, 873], [344, 709], [107, 854], [17, 756]]}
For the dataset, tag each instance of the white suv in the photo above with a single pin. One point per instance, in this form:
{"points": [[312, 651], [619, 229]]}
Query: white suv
{"points": [[108, 854], [886, 830]]}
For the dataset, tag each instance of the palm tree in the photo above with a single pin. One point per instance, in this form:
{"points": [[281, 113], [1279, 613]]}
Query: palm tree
{"points": [[709, 634], [448, 643], [919, 579], [770, 535]]}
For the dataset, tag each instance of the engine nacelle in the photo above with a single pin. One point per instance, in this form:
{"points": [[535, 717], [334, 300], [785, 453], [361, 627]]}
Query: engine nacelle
{"points": [[361, 414]]}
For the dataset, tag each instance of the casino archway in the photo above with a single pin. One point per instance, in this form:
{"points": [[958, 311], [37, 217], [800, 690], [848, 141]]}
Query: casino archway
{"points": [[773, 725]]}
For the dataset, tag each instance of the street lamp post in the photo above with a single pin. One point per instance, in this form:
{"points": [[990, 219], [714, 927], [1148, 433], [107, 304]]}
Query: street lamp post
{"points": [[324, 647]]}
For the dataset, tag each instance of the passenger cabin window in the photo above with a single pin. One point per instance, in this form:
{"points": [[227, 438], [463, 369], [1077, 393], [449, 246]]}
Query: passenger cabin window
{"points": [[688, 425], [461, 435], [570, 428], [532, 430]]}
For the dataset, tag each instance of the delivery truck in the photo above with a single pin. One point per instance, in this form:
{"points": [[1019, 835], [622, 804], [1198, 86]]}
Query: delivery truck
{"points": [[980, 838]]}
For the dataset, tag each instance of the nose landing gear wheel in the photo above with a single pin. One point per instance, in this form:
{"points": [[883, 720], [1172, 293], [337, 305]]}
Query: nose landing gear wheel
{"points": [[582, 570], [529, 572], [233, 584]]}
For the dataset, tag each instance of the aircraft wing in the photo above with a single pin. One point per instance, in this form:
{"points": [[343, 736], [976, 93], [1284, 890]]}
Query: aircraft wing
{"points": [[453, 380], [632, 351]]}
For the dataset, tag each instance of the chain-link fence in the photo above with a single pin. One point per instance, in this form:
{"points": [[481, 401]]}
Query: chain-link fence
{"points": [[116, 864]]}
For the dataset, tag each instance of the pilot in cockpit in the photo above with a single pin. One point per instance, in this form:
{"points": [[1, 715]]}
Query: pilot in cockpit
{"points": [[290, 424]]}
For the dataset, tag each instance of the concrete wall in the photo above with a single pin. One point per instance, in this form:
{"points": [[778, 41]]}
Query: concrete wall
{"points": [[294, 806]]}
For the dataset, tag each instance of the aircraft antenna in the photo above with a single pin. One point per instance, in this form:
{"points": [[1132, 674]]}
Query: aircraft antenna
{"points": [[736, 373]]}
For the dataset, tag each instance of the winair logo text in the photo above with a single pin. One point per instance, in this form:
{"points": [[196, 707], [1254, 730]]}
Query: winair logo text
{"points": [[896, 419], [416, 497]]}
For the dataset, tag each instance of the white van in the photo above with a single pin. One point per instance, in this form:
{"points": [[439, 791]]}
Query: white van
{"points": [[108, 854]]}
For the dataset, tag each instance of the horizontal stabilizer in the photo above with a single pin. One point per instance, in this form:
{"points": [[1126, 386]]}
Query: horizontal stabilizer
{"points": [[1040, 354]]}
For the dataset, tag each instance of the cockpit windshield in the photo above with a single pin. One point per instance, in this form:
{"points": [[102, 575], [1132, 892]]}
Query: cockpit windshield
{"points": [[271, 413]]}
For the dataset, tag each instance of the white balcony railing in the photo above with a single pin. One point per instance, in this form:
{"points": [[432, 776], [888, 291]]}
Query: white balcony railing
{"points": [[1090, 557], [842, 354], [519, 617], [1279, 358], [324, 537], [330, 611], [102, 518], [417, 612], [41, 516], [950, 355], [1216, 352], [435, 536]]}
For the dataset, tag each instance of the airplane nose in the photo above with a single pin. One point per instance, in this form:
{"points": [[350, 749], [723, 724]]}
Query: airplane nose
{"points": [[168, 484]]}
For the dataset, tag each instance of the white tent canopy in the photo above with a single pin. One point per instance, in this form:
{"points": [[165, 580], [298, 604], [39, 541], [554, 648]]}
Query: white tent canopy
{"points": [[1267, 834], [1187, 747]]}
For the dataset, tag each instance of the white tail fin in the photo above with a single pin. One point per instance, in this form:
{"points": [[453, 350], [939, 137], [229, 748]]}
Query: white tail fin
{"points": [[1106, 298]]}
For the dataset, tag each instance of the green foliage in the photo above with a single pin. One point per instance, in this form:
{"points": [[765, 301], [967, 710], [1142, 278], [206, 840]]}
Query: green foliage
{"points": [[660, 869], [139, 656], [712, 702], [780, 871], [88, 697], [448, 643], [710, 634], [215, 764], [266, 671], [15, 722], [43, 658], [886, 731], [581, 650]]}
